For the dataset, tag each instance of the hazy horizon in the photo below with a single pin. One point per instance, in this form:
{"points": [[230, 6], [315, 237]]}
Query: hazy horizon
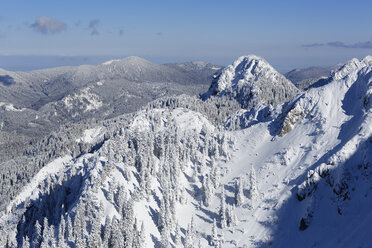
{"points": [[288, 34], [27, 63]]}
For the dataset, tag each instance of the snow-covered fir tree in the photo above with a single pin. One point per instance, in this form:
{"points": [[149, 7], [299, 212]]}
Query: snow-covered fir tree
{"points": [[253, 190], [239, 192], [222, 210], [214, 237]]}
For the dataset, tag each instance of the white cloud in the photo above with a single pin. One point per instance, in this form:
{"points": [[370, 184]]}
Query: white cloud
{"points": [[47, 25]]}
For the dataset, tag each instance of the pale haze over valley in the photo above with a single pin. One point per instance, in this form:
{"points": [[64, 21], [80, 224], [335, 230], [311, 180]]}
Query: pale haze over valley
{"points": [[173, 124]]}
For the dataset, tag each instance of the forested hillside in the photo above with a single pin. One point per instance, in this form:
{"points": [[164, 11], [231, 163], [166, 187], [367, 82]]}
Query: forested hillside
{"points": [[255, 163]]}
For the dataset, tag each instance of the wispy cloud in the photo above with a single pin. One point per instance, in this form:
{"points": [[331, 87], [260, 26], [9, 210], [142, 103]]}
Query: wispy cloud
{"points": [[357, 45], [366, 44], [121, 32], [47, 25], [313, 45], [93, 26], [159, 33]]}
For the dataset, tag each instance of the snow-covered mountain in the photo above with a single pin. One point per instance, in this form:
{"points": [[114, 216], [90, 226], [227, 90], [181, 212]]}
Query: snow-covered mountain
{"points": [[189, 173], [252, 81], [32, 104]]}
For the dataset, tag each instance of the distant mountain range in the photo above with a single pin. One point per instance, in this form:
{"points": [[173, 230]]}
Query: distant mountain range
{"points": [[32, 104], [304, 78]]}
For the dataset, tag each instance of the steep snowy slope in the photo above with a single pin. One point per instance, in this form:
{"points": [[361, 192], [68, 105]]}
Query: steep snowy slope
{"points": [[314, 180], [295, 175], [252, 81]]}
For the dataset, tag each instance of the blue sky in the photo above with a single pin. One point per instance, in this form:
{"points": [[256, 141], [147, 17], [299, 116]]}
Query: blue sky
{"points": [[289, 34]]}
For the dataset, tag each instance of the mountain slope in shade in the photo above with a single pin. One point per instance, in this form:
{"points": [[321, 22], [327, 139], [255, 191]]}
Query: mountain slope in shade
{"points": [[252, 81]]}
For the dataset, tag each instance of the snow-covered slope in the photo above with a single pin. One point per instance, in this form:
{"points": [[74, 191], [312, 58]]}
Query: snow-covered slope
{"points": [[313, 179], [252, 81], [295, 175]]}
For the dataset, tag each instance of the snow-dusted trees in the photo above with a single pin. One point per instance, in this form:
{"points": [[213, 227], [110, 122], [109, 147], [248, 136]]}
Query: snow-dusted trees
{"points": [[215, 176], [190, 236], [142, 238], [22, 163], [253, 190], [61, 232], [127, 223], [148, 161], [69, 230], [206, 187], [239, 192], [216, 109], [165, 237], [222, 211], [120, 197], [214, 240], [26, 242], [177, 235], [94, 238], [116, 239], [194, 174], [230, 216], [163, 215], [107, 232], [36, 237]]}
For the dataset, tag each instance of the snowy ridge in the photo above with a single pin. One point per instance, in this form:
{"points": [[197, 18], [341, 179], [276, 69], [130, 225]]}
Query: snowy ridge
{"points": [[351, 66], [31, 191]]}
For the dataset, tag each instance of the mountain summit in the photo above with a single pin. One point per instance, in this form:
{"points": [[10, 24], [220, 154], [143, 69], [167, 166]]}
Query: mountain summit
{"points": [[251, 80], [128, 60], [350, 66]]}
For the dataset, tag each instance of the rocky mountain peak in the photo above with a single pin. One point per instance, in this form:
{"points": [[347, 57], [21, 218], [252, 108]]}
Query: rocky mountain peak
{"points": [[251, 80]]}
